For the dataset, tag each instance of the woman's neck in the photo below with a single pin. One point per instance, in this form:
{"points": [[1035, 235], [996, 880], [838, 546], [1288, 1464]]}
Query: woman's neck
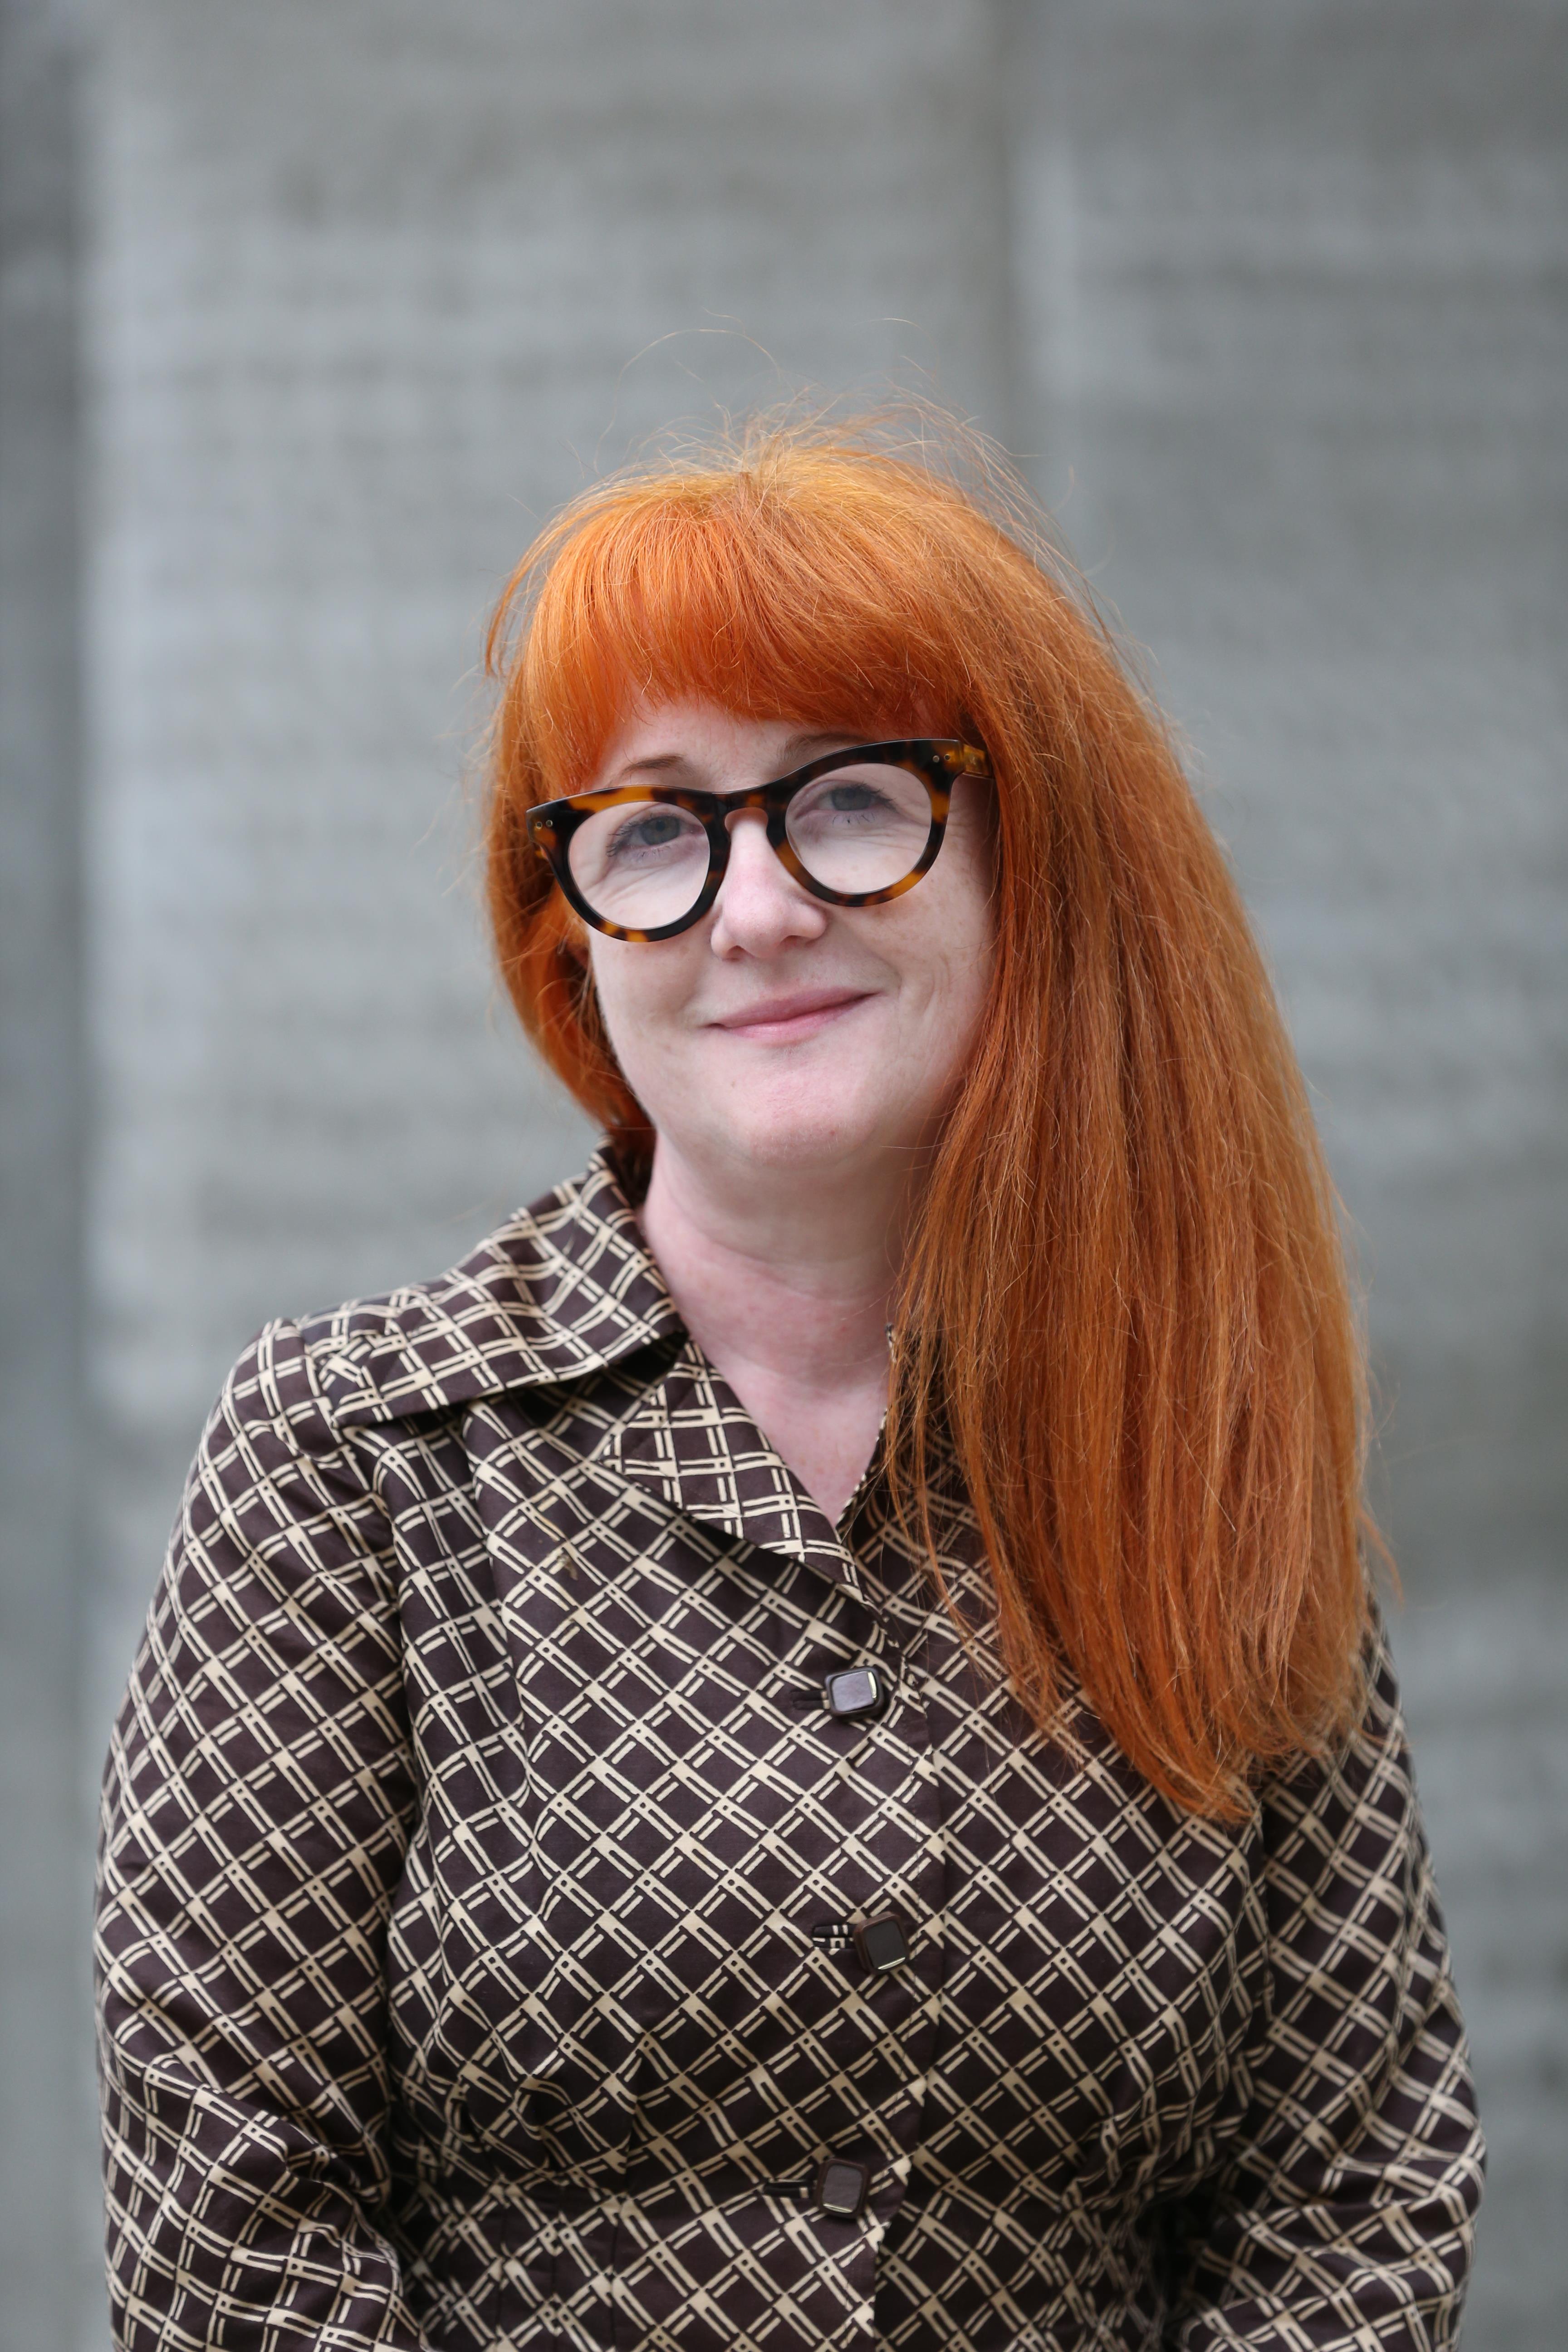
{"points": [[788, 1295]]}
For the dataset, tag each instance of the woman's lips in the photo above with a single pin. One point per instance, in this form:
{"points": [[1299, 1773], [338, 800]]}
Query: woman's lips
{"points": [[788, 1020]]}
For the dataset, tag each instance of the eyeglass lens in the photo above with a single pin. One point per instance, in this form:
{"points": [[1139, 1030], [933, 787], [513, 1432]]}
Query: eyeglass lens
{"points": [[860, 828]]}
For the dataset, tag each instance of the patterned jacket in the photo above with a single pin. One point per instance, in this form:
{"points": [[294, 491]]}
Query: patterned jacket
{"points": [[514, 1934]]}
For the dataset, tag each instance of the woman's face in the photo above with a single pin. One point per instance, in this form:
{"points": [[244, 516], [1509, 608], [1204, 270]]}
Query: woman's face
{"points": [[779, 1032]]}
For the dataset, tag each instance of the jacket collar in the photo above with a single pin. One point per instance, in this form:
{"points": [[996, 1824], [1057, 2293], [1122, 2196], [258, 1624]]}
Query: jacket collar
{"points": [[562, 1290]]}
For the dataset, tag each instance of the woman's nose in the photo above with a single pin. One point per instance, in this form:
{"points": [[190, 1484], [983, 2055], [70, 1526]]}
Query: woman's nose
{"points": [[761, 907]]}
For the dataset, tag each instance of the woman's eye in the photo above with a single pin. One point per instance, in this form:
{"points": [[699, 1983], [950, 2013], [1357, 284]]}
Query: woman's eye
{"points": [[851, 799], [843, 801], [655, 831]]}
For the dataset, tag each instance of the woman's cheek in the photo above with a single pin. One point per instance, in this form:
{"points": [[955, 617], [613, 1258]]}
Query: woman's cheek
{"points": [[632, 985]]}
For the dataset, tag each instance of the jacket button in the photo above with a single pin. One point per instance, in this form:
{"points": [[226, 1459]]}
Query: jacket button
{"points": [[879, 1946], [841, 2188], [856, 1690]]}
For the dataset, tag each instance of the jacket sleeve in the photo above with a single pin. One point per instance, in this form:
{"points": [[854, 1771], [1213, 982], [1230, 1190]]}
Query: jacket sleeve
{"points": [[1345, 2216], [255, 1815]]}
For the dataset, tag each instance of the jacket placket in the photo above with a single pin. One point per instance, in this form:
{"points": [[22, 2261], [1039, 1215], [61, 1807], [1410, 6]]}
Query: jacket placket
{"points": [[670, 1648]]}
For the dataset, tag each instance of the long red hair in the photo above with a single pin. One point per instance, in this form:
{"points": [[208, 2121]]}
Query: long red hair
{"points": [[1125, 1308]]}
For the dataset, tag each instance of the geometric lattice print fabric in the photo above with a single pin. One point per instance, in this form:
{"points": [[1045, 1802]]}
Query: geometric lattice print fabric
{"points": [[505, 1943]]}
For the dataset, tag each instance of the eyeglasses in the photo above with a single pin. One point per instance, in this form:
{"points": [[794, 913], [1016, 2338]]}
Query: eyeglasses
{"points": [[854, 827]]}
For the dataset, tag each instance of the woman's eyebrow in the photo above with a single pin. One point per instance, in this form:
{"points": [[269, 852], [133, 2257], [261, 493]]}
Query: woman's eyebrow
{"points": [[802, 748], [795, 754], [653, 761]]}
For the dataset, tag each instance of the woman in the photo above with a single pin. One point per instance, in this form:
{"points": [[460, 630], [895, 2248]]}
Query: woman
{"points": [[797, 1753]]}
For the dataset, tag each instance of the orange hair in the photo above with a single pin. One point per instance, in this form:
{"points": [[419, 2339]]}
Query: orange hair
{"points": [[1125, 1307]]}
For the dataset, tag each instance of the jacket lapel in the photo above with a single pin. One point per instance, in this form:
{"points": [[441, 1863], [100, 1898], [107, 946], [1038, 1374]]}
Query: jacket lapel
{"points": [[690, 1439]]}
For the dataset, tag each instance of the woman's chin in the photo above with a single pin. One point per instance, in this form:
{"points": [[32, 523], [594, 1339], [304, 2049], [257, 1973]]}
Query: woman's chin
{"points": [[822, 1140], [803, 1128]]}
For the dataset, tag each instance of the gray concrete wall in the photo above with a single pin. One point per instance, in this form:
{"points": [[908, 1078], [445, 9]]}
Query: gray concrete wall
{"points": [[47, 2172], [1274, 301]]}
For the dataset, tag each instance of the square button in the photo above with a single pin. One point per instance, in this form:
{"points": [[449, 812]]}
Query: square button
{"points": [[841, 2188], [880, 1945], [855, 1691]]}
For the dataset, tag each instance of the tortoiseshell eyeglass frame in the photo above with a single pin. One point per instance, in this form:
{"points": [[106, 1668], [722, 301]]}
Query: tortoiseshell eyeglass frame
{"points": [[938, 763]]}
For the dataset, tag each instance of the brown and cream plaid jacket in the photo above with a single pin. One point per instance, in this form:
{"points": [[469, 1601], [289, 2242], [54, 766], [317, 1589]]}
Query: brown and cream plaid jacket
{"points": [[512, 1934]]}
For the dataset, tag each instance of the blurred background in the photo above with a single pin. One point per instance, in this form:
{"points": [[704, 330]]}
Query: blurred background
{"points": [[309, 310]]}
